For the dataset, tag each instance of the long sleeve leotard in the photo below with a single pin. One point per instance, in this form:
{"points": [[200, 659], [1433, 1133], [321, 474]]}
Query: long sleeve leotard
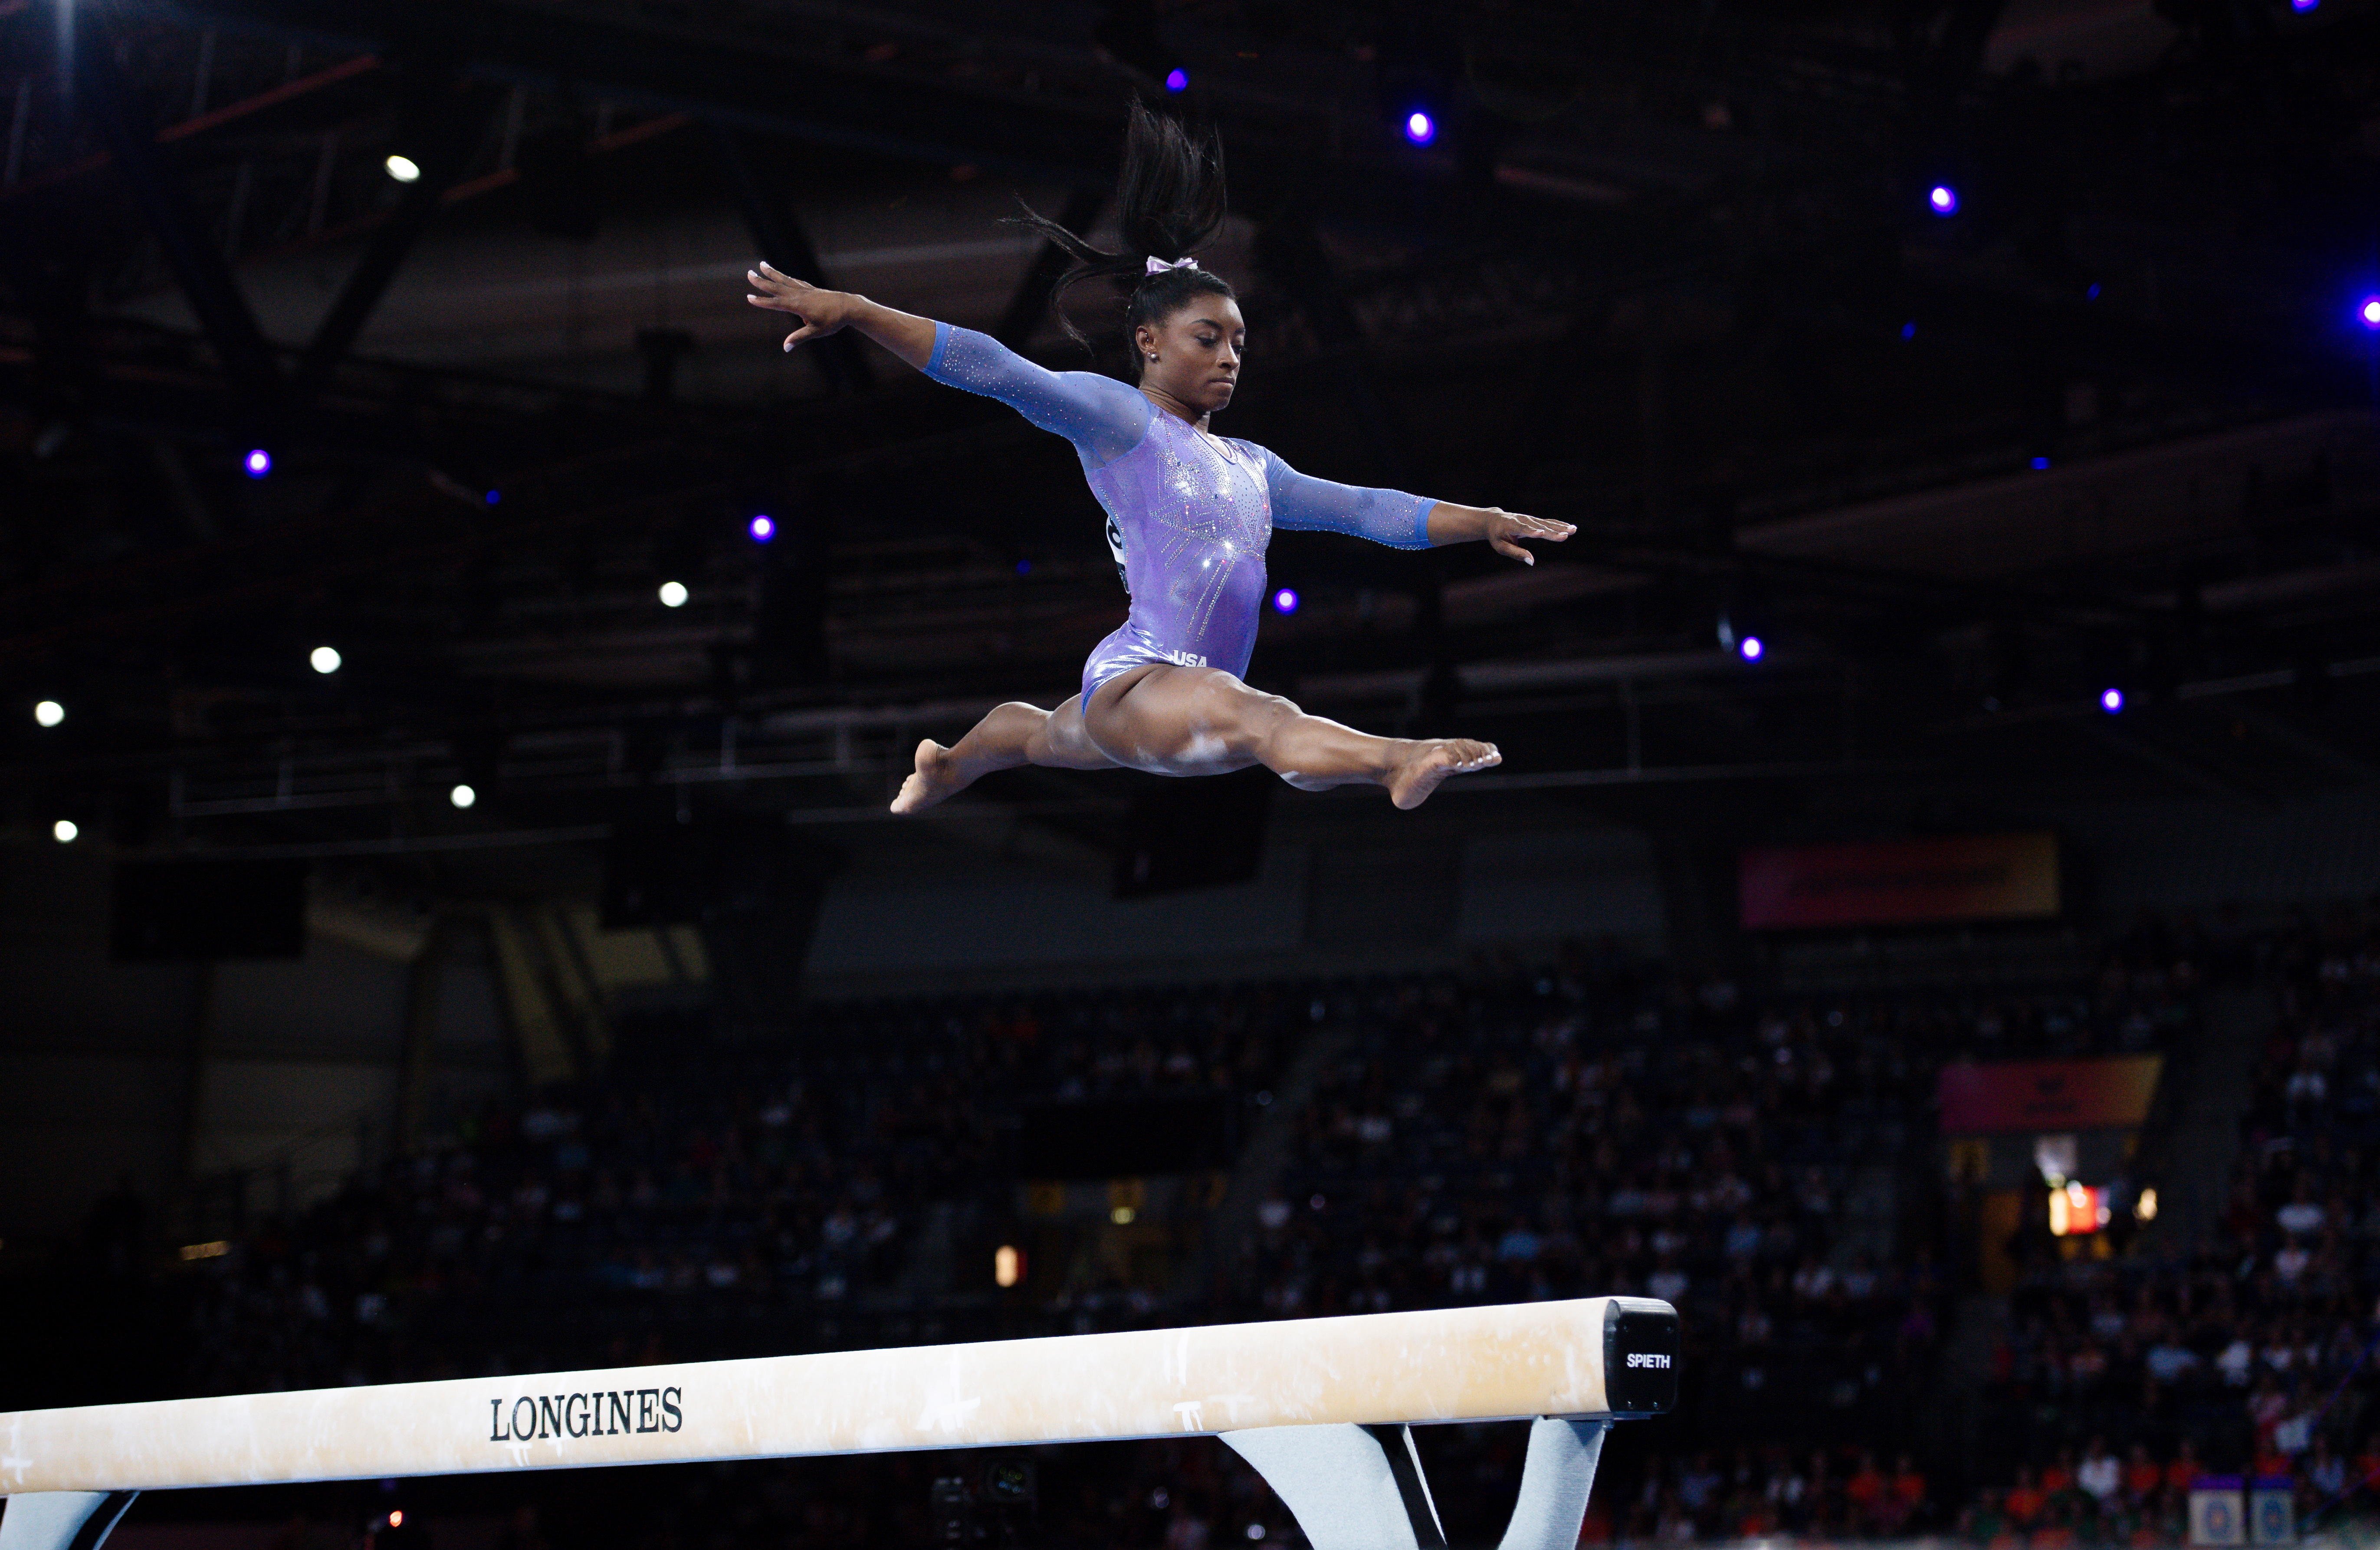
{"points": [[1189, 514]]}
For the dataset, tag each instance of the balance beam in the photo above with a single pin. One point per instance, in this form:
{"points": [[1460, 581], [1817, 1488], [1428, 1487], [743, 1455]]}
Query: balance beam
{"points": [[1318, 1406]]}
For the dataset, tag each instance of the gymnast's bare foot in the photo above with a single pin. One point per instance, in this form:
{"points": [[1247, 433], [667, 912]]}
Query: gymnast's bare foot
{"points": [[1421, 766], [937, 777]]}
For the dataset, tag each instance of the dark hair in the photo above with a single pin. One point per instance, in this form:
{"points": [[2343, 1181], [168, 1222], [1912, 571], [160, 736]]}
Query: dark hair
{"points": [[1170, 195]]}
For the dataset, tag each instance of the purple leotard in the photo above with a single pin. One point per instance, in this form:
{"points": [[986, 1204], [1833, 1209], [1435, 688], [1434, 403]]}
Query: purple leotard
{"points": [[1189, 514]]}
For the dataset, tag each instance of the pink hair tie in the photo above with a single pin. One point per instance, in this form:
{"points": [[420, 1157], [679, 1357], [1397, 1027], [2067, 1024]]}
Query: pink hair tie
{"points": [[1159, 266]]}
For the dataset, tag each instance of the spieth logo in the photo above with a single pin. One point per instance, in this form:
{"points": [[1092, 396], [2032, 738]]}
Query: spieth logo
{"points": [[534, 1417], [1647, 1358]]}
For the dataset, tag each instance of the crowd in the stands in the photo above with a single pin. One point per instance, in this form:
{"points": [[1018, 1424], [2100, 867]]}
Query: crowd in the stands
{"points": [[1586, 1126], [706, 1200], [2246, 1354]]}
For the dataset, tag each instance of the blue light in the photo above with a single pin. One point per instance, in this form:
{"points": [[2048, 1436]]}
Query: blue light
{"points": [[2039, 464], [1942, 200], [2303, 5], [763, 529], [1024, 567], [2368, 312], [2092, 294], [1909, 330], [1284, 601], [1751, 648], [2111, 701], [258, 463], [1177, 79], [495, 496], [1420, 127]]}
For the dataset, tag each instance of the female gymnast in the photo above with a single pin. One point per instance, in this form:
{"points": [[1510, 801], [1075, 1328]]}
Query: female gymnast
{"points": [[1189, 512]]}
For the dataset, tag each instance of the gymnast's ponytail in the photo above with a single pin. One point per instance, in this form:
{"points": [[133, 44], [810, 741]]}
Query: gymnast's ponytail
{"points": [[1170, 198]]}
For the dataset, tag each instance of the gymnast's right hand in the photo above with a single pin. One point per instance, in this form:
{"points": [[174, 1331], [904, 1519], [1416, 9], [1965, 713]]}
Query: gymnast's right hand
{"points": [[821, 313]]}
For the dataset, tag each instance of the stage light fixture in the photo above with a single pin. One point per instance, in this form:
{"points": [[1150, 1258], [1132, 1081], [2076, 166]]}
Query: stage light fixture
{"points": [[1743, 626], [49, 714], [1007, 1266], [1284, 601], [1909, 330], [1177, 79], [2111, 700], [325, 659], [763, 528], [258, 463], [2039, 464], [2304, 5], [1942, 200], [65, 831], [495, 496], [673, 594], [1420, 127], [402, 168], [462, 795], [1024, 567], [2369, 313]]}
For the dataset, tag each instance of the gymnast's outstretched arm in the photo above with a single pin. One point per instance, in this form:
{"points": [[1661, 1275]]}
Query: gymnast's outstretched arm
{"points": [[1103, 417], [1301, 502]]}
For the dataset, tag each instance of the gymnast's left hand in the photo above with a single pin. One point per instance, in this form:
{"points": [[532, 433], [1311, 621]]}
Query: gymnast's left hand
{"points": [[1503, 531]]}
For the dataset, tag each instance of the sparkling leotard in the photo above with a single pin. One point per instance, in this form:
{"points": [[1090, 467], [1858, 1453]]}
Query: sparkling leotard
{"points": [[1189, 514]]}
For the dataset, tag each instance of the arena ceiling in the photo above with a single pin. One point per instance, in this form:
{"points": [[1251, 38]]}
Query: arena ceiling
{"points": [[1672, 272]]}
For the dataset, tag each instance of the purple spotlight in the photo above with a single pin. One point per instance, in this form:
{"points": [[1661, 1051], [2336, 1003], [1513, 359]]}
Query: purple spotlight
{"points": [[2303, 5], [258, 463], [763, 529], [1284, 601], [1942, 200], [1177, 79], [1420, 127], [1751, 648], [2111, 700], [2369, 313]]}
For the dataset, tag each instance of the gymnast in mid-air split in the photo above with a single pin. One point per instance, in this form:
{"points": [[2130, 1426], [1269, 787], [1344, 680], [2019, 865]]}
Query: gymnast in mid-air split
{"points": [[1189, 512]]}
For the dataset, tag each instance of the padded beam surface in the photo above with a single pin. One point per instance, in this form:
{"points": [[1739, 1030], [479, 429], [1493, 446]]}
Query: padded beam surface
{"points": [[1379, 1369]]}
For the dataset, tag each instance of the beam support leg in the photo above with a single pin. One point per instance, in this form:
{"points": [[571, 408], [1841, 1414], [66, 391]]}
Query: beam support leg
{"points": [[1362, 1487], [61, 1520], [1350, 1487], [1554, 1483]]}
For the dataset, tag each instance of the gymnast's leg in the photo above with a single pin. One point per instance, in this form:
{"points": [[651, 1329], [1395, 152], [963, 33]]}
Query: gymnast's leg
{"points": [[1014, 733], [1195, 721]]}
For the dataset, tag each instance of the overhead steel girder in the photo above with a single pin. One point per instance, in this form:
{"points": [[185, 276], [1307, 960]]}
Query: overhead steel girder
{"points": [[1031, 300], [1047, 139], [198, 266], [786, 245], [443, 161], [738, 84]]}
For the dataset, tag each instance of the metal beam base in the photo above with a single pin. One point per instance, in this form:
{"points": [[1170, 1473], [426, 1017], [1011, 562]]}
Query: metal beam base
{"points": [[1361, 1487], [61, 1520]]}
